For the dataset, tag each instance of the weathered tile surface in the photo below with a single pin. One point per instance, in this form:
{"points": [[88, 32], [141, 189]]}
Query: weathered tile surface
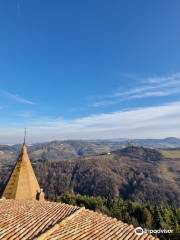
{"points": [[89, 225], [27, 219]]}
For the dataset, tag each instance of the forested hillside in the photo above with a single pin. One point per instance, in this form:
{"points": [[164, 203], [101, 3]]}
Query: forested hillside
{"points": [[133, 173]]}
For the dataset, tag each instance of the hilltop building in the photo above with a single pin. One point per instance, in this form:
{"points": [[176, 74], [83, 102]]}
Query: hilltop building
{"points": [[25, 216]]}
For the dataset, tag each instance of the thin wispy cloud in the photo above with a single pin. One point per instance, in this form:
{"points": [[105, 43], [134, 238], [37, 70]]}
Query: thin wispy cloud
{"points": [[25, 114], [149, 87], [16, 97], [146, 122], [104, 102]]}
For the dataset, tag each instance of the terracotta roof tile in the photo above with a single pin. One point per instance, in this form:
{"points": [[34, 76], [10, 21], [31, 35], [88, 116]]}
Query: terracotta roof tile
{"points": [[27, 219], [89, 225]]}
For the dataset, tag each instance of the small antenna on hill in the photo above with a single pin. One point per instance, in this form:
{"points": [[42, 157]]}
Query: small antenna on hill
{"points": [[130, 143], [25, 136]]}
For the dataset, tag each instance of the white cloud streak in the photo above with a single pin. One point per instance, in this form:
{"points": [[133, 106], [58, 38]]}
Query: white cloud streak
{"points": [[148, 122], [149, 87], [16, 98]]}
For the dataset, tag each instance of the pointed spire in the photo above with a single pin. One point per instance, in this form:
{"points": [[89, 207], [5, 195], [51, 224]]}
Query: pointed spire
{"points": [[24, 136], [22, 183]]}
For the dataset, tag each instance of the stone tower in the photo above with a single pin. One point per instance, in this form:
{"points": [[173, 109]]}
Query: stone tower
{"points": [[23, 184]]}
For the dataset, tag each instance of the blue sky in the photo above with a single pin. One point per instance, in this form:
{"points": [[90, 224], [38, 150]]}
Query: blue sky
{"points": [[89, 69]]}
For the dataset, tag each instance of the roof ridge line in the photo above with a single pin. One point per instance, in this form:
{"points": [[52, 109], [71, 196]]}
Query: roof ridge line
{"points": [[44, 235]]}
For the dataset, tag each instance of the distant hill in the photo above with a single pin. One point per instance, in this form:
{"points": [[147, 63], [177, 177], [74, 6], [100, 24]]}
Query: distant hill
{"points": [[93, 168], [141, 174], [140, 153], [72, 149], [170, 142]]}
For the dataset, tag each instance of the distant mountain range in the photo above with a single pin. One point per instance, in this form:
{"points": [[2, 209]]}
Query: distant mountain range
{"points": [[170, 142], [65, 150], [140, 170]]}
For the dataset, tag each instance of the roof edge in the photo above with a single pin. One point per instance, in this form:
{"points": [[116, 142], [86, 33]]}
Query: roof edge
{"points": [[47, 233]]}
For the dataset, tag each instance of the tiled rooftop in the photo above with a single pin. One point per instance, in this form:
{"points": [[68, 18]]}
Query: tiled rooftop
{"points": [[27, 220], [89, 225]]}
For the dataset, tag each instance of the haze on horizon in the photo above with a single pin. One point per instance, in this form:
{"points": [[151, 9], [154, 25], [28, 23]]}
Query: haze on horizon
{"points": [[89, 70]]}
